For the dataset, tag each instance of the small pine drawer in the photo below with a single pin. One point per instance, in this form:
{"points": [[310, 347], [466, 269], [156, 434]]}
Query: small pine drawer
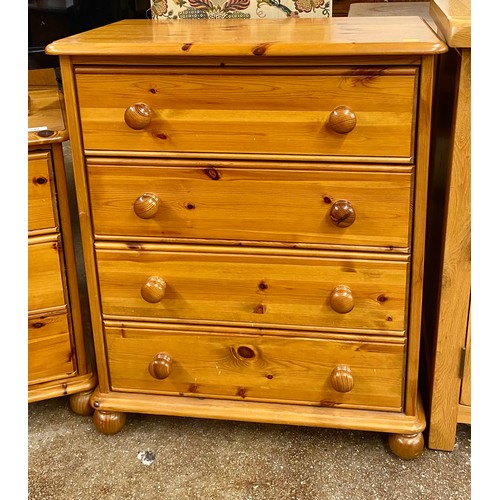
{"points": [[45, 280], [336, 112], [253, 202], [50, 354], [42, 213], [326, 290], [311, 371]]}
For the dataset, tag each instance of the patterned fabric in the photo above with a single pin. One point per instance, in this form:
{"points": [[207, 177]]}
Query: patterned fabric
{"points": [[243, 9]]}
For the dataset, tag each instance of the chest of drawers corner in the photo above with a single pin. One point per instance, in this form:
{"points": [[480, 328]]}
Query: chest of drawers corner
{"points": [[252, 201], [59, 344]]}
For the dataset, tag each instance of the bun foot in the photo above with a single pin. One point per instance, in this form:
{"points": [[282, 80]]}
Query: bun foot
{"points": [[80, 403], [407, 446], [109, 422]]}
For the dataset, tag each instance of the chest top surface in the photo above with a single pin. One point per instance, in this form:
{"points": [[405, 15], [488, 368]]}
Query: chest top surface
{"points": [[255, 37]]}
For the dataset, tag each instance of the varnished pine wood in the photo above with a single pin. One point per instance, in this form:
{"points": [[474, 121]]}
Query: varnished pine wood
{"points": [[109, 422], [248, 411], [80, 403], [341, 299], [453, 19], [342, 379], [205, 201], [45, 278], [455, 279], [208, 269], [58, 350], [256, 38], [49, 348], [407, 446], [419, 225], [42, 209], [275, 114], [251, 367], [226, 286]]}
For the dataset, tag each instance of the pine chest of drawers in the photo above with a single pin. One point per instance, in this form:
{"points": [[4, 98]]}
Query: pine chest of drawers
{"points": [[252, 197], [59, 344]]}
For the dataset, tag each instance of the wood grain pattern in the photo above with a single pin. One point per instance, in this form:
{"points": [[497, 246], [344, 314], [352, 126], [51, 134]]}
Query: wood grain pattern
{"points": [[230, 106], [453, 19], [59, 362], [47, 111], [455, 278], [50, 355], [271, 114], [256, 367], [251, 204], [426, 93], [45, 280], [276, 413], [42, 212], [253, 289], [255, 38]]}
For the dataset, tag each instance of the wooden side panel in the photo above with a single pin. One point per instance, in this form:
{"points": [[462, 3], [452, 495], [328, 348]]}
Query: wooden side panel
{"points": [[49, 348], [455, 280], [41, 202], [243, 113], [251, 204], [45, 280], [254, 289], [257, 368]]}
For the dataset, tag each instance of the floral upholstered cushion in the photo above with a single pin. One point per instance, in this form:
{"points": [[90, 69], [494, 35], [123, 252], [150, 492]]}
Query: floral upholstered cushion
{"points": [[244, 9]]}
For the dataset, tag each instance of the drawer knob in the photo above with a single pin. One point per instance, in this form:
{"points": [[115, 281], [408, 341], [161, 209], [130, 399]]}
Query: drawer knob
{"points": [[342, 213], [161, 365], [342, 120], [154, 289], [341, 299], [342, 379], [146, 206], [138, 116]]}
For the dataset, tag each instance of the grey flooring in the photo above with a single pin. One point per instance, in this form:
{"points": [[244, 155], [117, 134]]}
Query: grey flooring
{"points": [[162, 457]]}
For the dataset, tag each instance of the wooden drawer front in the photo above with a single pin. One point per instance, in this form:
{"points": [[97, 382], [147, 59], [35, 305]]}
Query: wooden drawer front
{"points": [[252, 204], [252, 288], [257, 368], [45, 285], [249, 113], [49, 348], [41, 202]]}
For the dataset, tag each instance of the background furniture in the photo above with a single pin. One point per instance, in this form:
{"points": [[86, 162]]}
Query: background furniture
{"points": [[58, 342], [344, 7], [253, 216], [448, 321], [381, 8]]}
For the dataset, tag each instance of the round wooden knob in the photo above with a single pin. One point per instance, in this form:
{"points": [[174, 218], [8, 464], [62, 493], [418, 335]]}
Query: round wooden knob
{"points": [[342, 379], [154, 289], [342, 213], [161, 365], [146, 206], [138, 116], [341, 299], [342, 120]]}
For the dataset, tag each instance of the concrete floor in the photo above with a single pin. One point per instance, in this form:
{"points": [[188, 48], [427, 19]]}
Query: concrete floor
{"points": [[161, 457]]}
